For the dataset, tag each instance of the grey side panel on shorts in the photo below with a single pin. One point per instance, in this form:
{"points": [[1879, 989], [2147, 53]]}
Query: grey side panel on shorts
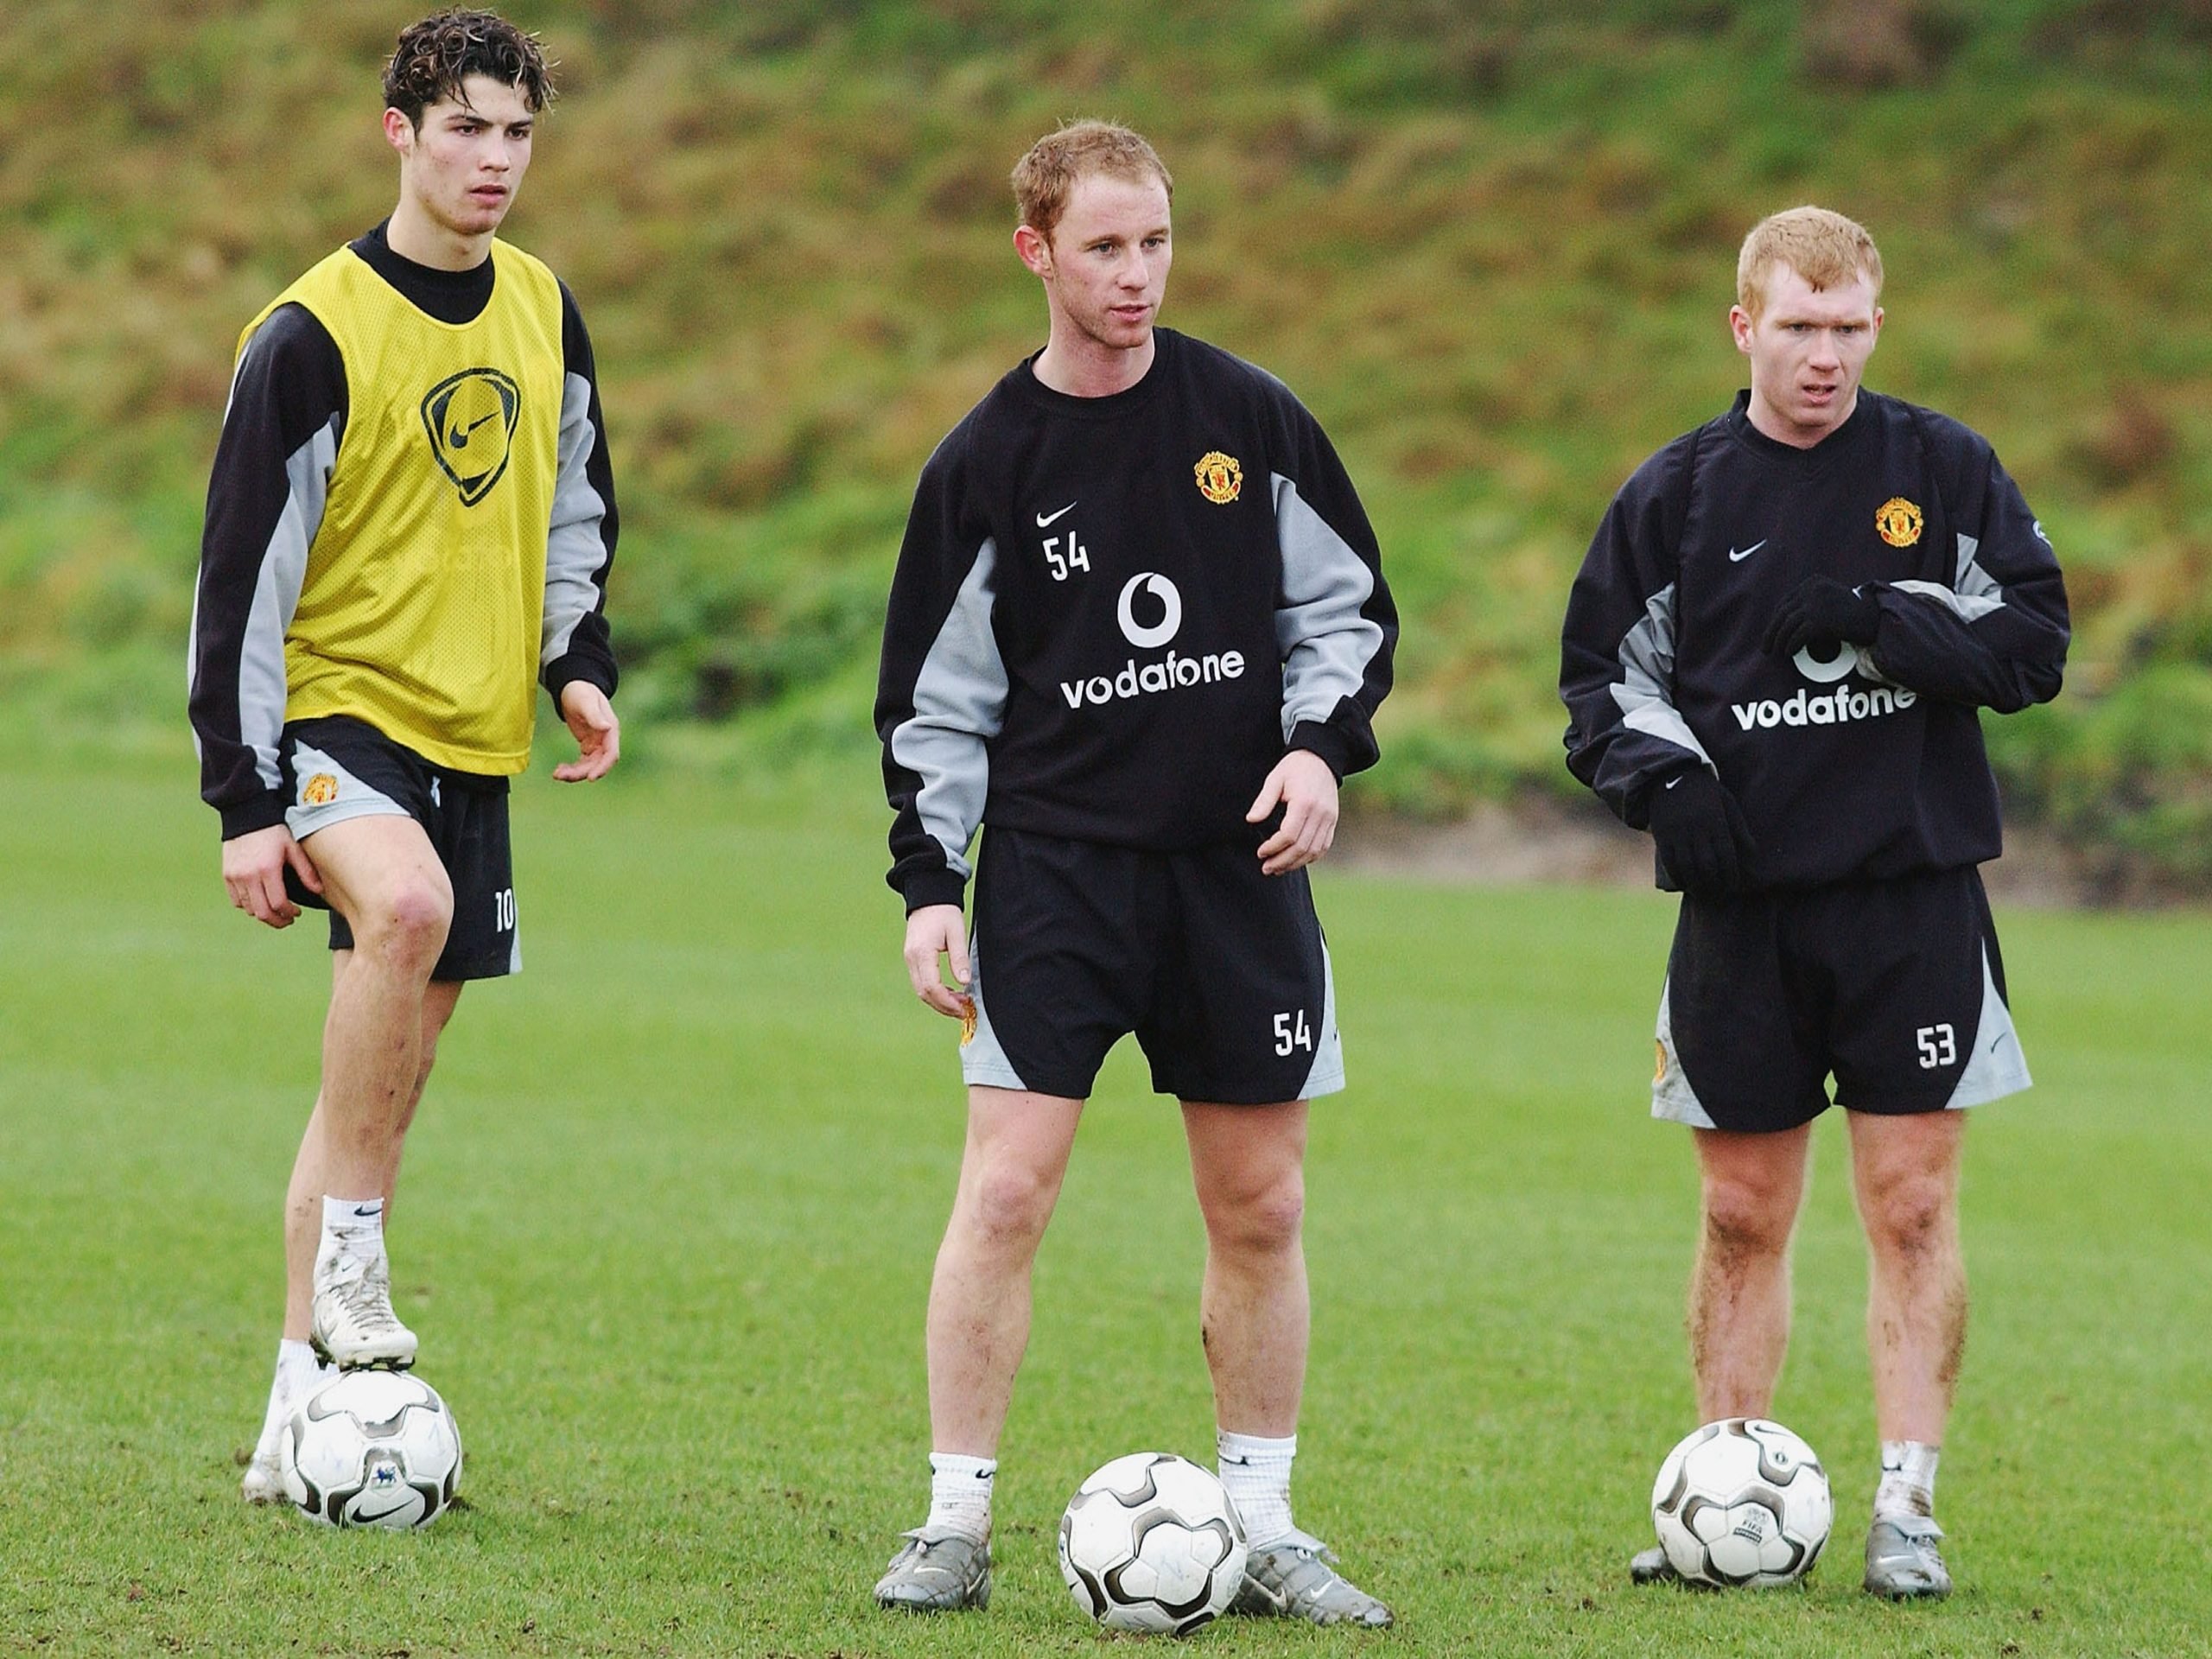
{"points": [[982, 1058], [576, 548], [1645, 689], [1672, 1097], [1998, 1067], [1328, 1073], [959, 704], [1326, 641], [352, 798]]}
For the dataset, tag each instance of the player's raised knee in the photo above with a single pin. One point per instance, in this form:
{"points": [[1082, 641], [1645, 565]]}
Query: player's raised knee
{"points": [[407, 924]]}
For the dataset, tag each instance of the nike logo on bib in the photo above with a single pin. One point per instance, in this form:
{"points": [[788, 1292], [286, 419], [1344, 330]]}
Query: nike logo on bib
{"points": [[1734, 557], [1045, 518]]}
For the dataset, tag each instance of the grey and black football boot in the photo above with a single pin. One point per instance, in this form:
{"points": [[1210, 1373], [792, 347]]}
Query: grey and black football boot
{"points": [[1651, 1566], [938, 1573], [1902, 1563], [1296, 1578]]}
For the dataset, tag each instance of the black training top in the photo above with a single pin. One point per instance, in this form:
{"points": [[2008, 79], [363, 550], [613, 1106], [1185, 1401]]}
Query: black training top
{"points": [[1113, 615], [1868, 764]]}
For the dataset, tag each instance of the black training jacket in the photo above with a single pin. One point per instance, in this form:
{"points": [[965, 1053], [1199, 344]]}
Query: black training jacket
{"points": [[1112, 616], [1865, 765]]}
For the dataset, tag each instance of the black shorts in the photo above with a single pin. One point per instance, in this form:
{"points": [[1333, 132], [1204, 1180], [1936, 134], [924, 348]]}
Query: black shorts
{"points": [[1220, 970], [1894, 986], [337, 767]]}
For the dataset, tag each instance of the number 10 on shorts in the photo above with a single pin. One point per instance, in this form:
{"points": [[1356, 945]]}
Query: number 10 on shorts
{"points": [[1292, 1032], [502, 904]]}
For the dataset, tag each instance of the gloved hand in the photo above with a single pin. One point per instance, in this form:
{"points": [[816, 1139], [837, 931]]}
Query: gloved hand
{"points": [[1821, 613], [1702, 838]]}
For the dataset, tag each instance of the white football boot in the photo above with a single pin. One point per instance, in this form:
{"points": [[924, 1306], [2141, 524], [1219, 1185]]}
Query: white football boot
{"points": [[353, 1325]]}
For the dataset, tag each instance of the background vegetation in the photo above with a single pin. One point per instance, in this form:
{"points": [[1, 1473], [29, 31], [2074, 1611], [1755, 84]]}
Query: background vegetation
{"points": [[1490, 241]]}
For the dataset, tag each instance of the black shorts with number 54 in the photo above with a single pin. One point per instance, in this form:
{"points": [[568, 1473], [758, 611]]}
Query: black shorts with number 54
{"points": [[1895, 988], [337, 767], [1220, 970]]}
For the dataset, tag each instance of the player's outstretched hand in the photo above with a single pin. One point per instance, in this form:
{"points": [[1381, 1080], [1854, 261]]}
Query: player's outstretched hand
{"points": [[1820, 612], [1701, 831], [253, 872], [934, 934], [1306, 788], [599, 734]]}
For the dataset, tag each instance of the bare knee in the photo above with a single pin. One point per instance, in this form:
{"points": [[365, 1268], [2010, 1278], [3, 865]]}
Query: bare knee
{"points": [[1261, 1219], [1745, 1220], [1911, 1217], [1006, 1204], [407, 927]]}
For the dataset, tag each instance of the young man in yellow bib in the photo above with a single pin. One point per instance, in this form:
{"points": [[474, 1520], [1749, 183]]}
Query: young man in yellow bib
{"points": [[409, 530]]}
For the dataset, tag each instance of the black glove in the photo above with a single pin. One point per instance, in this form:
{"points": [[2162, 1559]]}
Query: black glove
{"points": [[1821, 612], [1699, 831]]}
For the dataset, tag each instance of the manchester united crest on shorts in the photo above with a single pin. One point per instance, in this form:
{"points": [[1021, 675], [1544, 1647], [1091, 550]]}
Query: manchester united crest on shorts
{"points": [[1898, 520], [470, 417], [318, 791], [1220, 477]]}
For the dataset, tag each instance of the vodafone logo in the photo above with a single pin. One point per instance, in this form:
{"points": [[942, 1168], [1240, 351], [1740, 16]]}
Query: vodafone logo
{"points": [[1837, 707], [1174, 672], [1170, 606]]}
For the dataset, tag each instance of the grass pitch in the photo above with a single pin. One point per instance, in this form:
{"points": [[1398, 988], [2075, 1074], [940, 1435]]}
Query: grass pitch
{"points": [[668, 1216]]}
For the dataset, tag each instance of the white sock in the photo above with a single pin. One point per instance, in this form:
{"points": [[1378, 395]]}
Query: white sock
{"points": [[354, 1226], [1257, 1470], [1908, 1479], [298, 1372], [960, 1494]]}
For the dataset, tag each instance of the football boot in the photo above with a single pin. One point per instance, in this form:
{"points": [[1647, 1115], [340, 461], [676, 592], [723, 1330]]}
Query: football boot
{"points": [[1295, 1577], [1902, 1563], [353, 1325], [937, 1573]]}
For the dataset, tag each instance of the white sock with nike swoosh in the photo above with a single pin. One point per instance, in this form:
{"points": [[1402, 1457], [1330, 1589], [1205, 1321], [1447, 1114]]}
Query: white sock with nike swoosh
{"points": [[1257, 1470], [960, 1494]]}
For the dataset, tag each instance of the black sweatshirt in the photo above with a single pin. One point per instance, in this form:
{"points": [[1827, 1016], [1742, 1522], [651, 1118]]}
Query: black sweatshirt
{"points": [[1112, 616], [1865, 765]]}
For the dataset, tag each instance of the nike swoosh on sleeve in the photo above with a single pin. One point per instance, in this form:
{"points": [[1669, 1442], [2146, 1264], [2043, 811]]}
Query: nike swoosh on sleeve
{"points": [[1734, 557]]}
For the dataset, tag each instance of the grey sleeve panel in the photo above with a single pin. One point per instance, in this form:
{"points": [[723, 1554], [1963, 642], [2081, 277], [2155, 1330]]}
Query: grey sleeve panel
{"points": [[575, 550], [1973, 593], [959, 704], [283, 571], [1326, 641], [1645, 690]]}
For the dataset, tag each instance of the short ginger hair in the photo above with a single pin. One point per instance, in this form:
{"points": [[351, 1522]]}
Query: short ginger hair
{"points": [[435, 56], [1826, 249], [1044, 178]]}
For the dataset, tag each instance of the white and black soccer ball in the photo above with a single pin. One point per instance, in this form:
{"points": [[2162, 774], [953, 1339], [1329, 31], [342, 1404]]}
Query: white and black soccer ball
{"points": [[373, 1449], [1152, 1542], [1742, 1502]]}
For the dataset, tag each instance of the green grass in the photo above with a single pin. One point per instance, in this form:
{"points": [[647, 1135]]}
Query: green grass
{"points": [[669, 1212]]}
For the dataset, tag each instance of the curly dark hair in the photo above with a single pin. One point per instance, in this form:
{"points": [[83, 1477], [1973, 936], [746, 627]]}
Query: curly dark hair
{"points": [[435, 56]]}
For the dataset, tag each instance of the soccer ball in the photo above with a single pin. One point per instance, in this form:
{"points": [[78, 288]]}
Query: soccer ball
{"points": [[1152, 1542], [373, 1449], [1742, 1501]]}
